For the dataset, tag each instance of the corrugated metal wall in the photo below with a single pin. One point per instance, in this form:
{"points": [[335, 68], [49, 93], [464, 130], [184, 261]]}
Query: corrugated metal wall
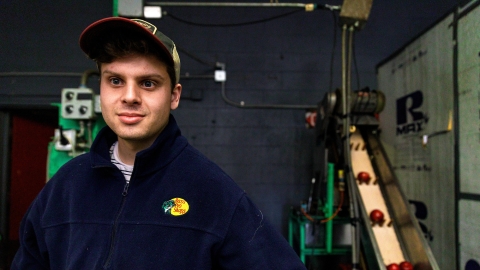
{"points": [[469, 137], [419, 88]]}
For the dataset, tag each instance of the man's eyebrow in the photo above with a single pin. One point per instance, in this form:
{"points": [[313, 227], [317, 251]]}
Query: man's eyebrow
{"points": [[152, 76], [108, 72], [143, 76]]}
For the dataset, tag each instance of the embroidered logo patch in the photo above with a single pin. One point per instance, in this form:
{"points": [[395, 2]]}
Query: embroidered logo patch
{"points": [[152, 28], [175, 207]]}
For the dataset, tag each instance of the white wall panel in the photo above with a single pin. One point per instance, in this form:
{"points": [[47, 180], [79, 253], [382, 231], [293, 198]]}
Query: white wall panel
{"points": [[469, 101], [418, 84], [469, 218], [469, 137]]}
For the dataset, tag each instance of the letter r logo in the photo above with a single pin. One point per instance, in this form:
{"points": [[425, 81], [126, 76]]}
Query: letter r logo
{"points": [[413, 101]]}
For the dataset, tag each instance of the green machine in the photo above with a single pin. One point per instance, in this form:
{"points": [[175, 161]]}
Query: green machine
{"points": [[79, 121], [303, 222]]}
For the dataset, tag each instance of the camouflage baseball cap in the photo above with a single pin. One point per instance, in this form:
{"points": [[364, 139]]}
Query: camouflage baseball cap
{"points": [[90, 36]]}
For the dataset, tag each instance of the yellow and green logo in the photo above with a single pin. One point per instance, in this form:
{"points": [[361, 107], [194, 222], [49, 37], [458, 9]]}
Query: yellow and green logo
{"points": [[175, 207]]}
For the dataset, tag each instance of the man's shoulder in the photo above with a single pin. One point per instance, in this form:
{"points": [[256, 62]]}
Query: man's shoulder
{"points": [[195, 173], [62, 181], [75, 168], [81, 162], [199, 163], [197, 167]]}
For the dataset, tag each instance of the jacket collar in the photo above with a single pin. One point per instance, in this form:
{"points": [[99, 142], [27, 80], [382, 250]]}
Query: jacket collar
{"points": [[165, 148]]}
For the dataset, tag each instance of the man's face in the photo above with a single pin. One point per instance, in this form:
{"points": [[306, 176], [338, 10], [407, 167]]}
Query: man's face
{"points": [[136, 98]]}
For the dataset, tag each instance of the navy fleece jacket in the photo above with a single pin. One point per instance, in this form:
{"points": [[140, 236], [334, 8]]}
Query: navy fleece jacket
{"points": [[86, 217]]}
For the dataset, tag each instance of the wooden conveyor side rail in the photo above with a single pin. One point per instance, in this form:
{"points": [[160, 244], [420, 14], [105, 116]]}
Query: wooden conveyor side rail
{"points": [[410, 236]]}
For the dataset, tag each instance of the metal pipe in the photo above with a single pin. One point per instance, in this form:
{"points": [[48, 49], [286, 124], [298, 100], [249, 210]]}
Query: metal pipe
{"points": [[85, 75], [344, 79], [356, 234], [355, 216], [225, 4], [346, 85], [346, 143], [242, 104], [40, 74], [349, 68], [188, 76], [77, 74], [306, 6]]}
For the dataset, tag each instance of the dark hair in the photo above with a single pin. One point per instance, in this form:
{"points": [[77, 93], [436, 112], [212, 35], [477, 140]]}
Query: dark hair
{"points": [[116, 44]]}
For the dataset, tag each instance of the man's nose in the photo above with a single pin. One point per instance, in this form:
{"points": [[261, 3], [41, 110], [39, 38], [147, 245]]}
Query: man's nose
{"points": [[131, 94]]}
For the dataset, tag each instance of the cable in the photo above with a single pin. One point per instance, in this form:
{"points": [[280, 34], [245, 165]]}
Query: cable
{"points": [[196, 58], [242, 104], [339, 208], [233, 24], [307, 215]]}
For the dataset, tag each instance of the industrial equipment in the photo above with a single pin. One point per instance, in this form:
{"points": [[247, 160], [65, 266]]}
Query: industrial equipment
{"points": [[79, 121], [384, 232], [389, 233]]}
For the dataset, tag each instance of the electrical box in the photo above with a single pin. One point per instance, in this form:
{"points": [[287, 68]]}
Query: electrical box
{"points": [[220, 75], [152, 12], [130, 8], [355, 12], [78, 103]]}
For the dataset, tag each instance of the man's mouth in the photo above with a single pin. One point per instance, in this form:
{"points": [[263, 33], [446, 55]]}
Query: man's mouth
{"points": [[130, 118]]}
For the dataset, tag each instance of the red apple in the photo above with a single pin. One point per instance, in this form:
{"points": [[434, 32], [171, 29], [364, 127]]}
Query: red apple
{"points": [[363, 177], [393, 266], [406, 266], [376, 216]]}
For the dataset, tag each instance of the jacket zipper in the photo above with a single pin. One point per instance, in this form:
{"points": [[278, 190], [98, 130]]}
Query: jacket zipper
{"points": [[115, 226]]}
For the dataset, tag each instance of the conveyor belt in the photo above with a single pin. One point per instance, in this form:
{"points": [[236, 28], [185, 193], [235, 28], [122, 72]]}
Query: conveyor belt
{"points": [[399, 238]]}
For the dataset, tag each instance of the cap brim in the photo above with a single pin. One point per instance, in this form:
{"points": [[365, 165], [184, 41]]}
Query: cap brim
{"points": [[93, 33]]}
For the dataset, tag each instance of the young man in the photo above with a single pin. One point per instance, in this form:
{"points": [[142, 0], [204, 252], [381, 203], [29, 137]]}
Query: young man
{"points": [[143, 198]]}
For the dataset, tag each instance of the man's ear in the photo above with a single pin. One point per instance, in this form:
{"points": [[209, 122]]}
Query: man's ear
{"points": [[175, 99]]}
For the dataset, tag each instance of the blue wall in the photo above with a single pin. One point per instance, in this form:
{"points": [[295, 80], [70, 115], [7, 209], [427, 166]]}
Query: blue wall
{"points": [[284, 61]]}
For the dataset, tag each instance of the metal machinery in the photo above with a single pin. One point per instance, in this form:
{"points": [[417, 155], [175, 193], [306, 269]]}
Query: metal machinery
{"points": [[352, 173], [79, 121], [384, 230]]}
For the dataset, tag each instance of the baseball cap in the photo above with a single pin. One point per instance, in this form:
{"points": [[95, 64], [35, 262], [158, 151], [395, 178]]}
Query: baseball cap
{"points": [[91, 35]]}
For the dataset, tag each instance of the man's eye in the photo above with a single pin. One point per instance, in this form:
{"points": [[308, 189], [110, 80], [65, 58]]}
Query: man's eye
{"points": [[148, 84], [115, 81]]}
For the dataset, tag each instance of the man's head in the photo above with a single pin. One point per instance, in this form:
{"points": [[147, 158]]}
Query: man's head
{"points": [[139, 72], [115, 37]]}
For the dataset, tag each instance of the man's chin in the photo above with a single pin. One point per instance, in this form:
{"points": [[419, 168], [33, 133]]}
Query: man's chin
{"points": [[131, 137]]}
